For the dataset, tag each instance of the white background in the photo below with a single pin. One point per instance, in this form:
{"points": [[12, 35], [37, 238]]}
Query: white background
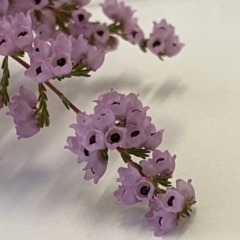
{"points": [[194, 96]]}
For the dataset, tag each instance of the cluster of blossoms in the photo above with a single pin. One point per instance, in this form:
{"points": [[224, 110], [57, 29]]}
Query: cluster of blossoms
{"points": [[120, 122], [61, 42]]}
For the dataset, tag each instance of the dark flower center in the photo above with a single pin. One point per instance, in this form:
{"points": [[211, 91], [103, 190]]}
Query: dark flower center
{"points": [[3, 41], [80, 17], [22, 34], [61, 62], [156, 44], [144, 190], [160, 159], [135, 133], [162, 28], [101, 115], [134, 33], [115, 103], [37, 49], [92, 139], [38, 70], [170, 201], [160, 221], [115, 138], [86, 152], [100, 33], [136, 110], [37, 1]]}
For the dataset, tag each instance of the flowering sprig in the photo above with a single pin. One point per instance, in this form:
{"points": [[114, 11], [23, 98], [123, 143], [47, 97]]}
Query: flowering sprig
{"points": [[148, 180], [62, 42]]}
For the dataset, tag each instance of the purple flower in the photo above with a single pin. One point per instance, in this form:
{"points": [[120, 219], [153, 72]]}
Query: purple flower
{"points": [[135, 136], [172, 200], [101, 33], [84, 123], [103, 118], [163, 222], [186, 189], [162, 29], [173, 46], [39, 71], [125, 196], [95, 58], [128, 176], [75, 146], [163, 40], [44, 32], [117, 11], [93, 140], [153, 138], [116, 102], [7, 45], [81, 16], [133, 32], [136, 114], [22, 28], [163, 162], [148, 169], [114, 137], [144, 190], [95, 170], [22, 108], [41, 51], [156, 44], [79, 49], [77, 29], [61, 63]]}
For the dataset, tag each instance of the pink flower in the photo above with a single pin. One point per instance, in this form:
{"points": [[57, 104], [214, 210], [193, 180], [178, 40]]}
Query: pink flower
{"points": [[163, 222], [128, 176], [117, 11], [186, 189], [163, 162], [125, 196], [95, 58], [7, 44], [171, 201], [22, 108], [154, 138], [22, 30], [95, 170]]}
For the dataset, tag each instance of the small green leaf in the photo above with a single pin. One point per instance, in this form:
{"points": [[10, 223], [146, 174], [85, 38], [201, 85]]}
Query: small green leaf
{"points": [[68, 7], [104, 154], [141, 152], [66, 102], [37, 15]]}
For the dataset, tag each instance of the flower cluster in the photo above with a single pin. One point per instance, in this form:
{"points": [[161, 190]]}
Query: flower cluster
{"points": [[167, 208], [62, 42], [120, 122], [161, 42], [61, 56], [22, 108]]}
